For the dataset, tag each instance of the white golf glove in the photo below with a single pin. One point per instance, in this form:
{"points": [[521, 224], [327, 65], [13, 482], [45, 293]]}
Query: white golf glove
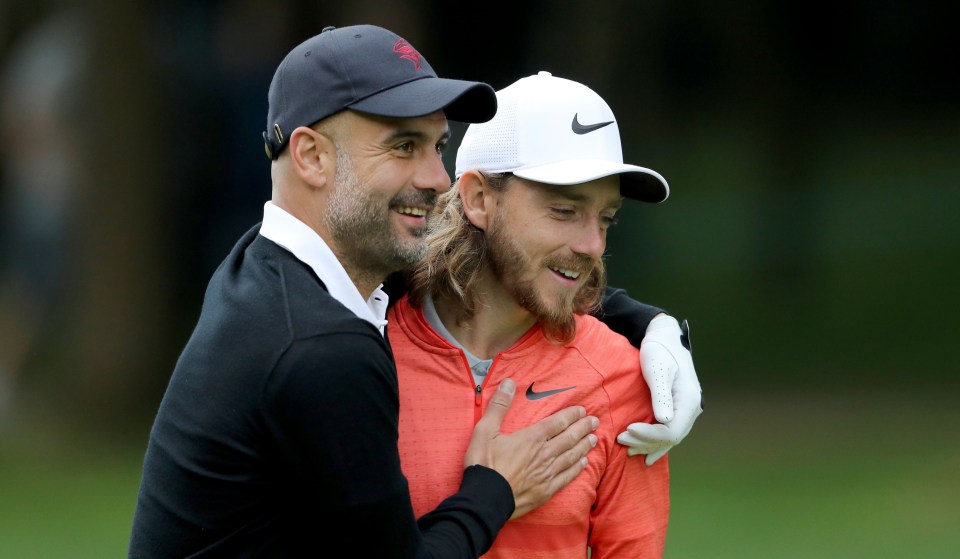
{"points": [[667, 363]]}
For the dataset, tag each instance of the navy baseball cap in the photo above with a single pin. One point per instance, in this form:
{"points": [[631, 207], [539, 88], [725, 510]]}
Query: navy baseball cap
{"points": [[368, 69]]}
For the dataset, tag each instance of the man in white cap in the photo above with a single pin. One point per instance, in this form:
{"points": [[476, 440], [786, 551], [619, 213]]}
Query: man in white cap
{"points": [[513, 267]]}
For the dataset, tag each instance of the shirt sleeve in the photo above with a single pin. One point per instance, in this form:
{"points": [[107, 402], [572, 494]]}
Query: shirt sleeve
{"points": [[633, 509], [333, 408], [633, 500]]}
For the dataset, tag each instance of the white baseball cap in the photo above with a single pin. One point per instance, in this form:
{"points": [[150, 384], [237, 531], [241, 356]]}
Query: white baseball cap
{"points": [[555, 131]]}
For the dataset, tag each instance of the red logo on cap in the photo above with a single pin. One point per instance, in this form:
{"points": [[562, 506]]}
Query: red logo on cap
{"points": [[407, 52]]}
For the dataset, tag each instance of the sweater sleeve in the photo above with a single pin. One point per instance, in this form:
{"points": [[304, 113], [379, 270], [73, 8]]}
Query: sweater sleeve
{"points": [[342, 432], [626, 316]]}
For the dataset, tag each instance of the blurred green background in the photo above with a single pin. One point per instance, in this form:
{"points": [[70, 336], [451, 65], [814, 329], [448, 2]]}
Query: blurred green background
{"points": [[811, 238]]}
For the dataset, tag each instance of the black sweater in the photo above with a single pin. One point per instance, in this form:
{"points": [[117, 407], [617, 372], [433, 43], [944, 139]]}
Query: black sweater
{"points": [[282, 411]]}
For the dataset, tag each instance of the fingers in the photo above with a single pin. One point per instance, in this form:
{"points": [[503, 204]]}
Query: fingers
{"points": [[637, 446], [681, 425], [575, 441], [555, 469], [499, 404], [659, 370], [572, 462], [643, 438], [654, 456], [652, 433], [651, 457], [654, 440], [653, 450], [550, 427], [566, 435]]}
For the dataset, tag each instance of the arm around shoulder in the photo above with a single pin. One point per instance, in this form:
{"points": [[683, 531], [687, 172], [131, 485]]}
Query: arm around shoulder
{"points": [[625, 315]]}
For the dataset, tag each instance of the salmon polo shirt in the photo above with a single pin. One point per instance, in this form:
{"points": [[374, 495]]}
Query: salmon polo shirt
{"points": [[618, 506]]}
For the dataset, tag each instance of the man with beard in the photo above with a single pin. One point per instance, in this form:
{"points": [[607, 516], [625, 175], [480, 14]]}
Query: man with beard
{"points": [[277, 435], [514, 264]]}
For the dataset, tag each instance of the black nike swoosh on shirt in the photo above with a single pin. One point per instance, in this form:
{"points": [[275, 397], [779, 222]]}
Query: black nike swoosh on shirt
{"points": [[531, 395], [584, 128]]}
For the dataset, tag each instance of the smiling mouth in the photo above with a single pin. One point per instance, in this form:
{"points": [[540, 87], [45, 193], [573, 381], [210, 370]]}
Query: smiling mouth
{"points": [[412, 211], [569, 274]]}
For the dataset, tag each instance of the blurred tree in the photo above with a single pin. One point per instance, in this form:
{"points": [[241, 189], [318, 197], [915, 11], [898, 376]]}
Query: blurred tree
{"points": [[116, 330], [746, 107]]}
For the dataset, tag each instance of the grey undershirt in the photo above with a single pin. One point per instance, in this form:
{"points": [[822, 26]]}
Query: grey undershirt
{"points": [[478, 367]]}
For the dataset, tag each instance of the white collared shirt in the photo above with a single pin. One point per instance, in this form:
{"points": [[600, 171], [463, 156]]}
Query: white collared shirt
{"points": [[310, 248]]}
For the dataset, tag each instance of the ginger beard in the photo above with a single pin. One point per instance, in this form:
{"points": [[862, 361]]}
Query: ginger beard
{"points": [[518, 272]]}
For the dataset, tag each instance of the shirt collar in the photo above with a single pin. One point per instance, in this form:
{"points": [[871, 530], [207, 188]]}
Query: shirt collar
{"points": [[310, 248]]}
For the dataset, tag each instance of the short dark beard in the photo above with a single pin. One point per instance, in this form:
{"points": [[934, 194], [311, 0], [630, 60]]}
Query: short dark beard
{"points": [[360, 225]]}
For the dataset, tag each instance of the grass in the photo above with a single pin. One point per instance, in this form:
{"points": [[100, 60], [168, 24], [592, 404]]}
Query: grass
{"points": [[785, 476], [66, 502], [817, 476]]}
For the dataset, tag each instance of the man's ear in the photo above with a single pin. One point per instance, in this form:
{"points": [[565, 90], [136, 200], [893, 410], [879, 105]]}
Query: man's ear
{"points": [[314, 156], [476, 197]]}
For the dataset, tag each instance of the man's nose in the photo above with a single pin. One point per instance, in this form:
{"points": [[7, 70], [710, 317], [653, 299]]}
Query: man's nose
{"points": [[432, 175], [591, 240]]}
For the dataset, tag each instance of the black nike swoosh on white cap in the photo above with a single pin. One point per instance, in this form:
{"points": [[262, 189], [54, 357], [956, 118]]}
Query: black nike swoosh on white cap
{"points": [[531, 395], [585, 128]]}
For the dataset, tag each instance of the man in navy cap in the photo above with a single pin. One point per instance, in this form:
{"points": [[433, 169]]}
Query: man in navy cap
{"points": [[277, 435]]}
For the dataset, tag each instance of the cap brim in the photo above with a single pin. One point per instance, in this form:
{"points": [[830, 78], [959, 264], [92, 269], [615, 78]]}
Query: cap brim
{"points": [[462, 101], [638, 183]]}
